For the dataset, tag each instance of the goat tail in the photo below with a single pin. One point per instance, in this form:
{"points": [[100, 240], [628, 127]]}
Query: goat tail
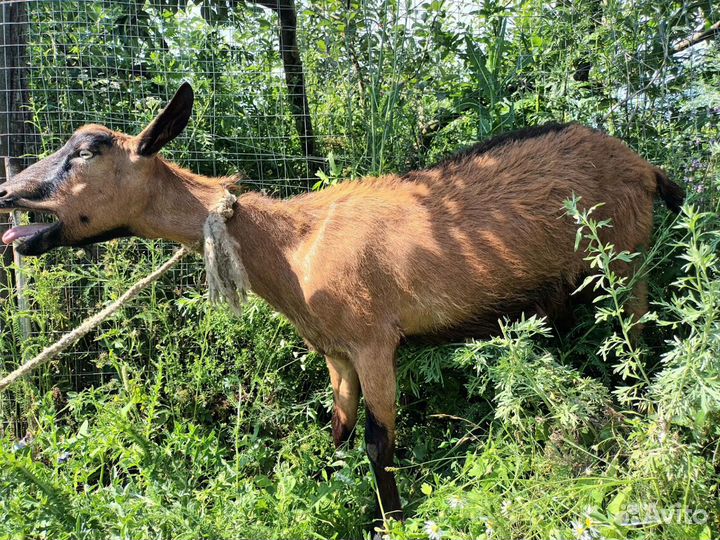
{"points": [[669, 191]]}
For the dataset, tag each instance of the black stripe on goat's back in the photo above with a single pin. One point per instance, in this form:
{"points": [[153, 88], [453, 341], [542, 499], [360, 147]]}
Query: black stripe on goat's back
{"points": [[503, 139]]}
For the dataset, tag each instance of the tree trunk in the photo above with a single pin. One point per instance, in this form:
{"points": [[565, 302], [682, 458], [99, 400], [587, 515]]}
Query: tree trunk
{"points": [[294, 75], [17, 137]]}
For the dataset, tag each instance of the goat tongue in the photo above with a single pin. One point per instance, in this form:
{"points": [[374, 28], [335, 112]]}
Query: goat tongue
{"points": [[24, 231]]}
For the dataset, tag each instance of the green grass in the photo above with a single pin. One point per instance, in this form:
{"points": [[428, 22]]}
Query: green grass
{"points": [[219, 428]]}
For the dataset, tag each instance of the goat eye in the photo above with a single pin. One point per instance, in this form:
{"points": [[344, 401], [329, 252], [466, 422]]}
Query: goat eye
{"points": [[85, 154]]}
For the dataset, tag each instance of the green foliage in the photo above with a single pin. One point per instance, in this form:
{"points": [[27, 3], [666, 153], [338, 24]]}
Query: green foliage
{"points": [[612, 292], [177, 420], [687, 389], [529, 385]]}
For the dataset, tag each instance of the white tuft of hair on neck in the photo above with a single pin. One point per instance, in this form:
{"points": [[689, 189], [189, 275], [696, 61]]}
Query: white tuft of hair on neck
{"points": [[226, 275]]}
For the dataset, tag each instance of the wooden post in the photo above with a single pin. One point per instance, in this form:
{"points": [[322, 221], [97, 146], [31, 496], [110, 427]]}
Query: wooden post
{"points": [[17, 138], [11, 169], [294, 75]]}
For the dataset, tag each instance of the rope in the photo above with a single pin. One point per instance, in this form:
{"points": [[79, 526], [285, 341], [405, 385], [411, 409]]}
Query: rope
{"points": [[227, 278], [72, 337]]}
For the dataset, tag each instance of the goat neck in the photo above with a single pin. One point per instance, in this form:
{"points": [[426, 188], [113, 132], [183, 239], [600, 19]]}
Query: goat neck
{"points": [[178, 204], [268, 230]]}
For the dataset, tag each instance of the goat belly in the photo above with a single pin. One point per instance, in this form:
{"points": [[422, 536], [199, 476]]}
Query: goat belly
{"points": [[552, 300], [477, 329]]}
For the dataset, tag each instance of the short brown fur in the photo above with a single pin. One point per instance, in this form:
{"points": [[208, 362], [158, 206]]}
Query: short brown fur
{"points": [[362, 265]]}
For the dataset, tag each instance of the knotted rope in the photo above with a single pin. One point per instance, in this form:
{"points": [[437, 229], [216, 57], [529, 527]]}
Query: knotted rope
{"points": [[223, 266], [226, 276]]}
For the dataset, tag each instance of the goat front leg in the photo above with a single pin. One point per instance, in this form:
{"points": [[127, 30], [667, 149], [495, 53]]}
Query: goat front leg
{"points": [[376, 369], [346, 394]]}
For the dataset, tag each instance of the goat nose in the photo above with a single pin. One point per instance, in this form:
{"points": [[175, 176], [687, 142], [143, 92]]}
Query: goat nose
{"points": [[3, 193]]}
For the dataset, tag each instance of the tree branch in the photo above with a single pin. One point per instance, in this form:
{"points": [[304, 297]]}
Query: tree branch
{"points": [[697, 38], [432, 128]]}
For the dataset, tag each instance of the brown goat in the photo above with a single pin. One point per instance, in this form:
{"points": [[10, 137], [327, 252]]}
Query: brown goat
{"points": [[361, 265]]}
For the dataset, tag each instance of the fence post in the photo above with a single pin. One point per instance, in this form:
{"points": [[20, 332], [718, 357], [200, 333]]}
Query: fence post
{"points": [[11, 169], [17, 136]]}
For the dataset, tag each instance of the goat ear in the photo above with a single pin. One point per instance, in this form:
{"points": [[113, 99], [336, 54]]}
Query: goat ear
{"points": [[169, 123]]}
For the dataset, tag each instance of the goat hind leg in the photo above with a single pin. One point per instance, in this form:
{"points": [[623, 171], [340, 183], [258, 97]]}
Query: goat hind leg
{"points": [[346, 395], [376, 369]]}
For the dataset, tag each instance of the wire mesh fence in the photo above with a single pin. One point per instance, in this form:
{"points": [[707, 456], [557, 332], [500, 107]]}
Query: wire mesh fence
{"points": [[389, 85], [118, 63]]}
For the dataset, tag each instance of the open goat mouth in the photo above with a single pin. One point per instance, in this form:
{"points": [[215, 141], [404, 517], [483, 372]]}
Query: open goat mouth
{"points": [[26, 231], [35, 238]]}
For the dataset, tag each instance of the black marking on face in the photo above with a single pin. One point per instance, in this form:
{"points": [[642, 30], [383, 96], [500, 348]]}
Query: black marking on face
{"points": [[84, 219], [41, 180], [42, 192], [94, 142]]}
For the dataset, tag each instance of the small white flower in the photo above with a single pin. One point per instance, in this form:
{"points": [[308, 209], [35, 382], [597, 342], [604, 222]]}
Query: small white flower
{"points": [[506, 506], [489, 531], [455, 502], [579, 529], [584, 530], [433, 530]]}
